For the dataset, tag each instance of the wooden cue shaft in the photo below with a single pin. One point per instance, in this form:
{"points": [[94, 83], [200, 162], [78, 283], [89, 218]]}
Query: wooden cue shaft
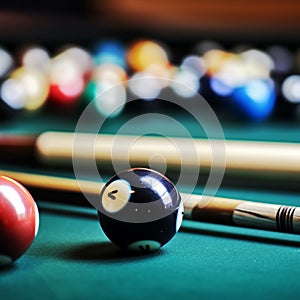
{"points": [[48, 182], [197, 207], [240, 157]]}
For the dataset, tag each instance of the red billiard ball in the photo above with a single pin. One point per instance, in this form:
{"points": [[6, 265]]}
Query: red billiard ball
{"points": [[19, 220]]}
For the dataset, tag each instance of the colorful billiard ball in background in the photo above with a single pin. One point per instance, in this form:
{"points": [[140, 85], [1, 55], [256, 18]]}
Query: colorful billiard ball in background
{"points": [[106, 88], [35, 56], [110, 52], [255, 100], [12, 98], [68, 73], [35, 86], [145, 53], [289, 96], [19, 220], [6, 62], [140, 210]]}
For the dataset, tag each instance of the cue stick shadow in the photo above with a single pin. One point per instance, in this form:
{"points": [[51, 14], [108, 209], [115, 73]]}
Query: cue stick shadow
{"points": [[67, 211], [226, 232]]}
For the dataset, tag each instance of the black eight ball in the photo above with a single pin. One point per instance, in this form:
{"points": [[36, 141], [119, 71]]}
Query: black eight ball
{"points": [[140, 210]]}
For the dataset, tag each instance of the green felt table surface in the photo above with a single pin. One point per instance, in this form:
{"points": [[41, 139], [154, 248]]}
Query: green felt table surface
{"points": [[71, 258]]}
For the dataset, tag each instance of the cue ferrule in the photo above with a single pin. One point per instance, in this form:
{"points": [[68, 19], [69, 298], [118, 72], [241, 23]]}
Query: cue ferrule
{"points": [[210, 209]]}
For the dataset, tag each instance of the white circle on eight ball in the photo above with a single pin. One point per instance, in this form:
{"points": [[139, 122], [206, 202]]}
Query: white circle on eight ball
{"points": [[144, 246], [116, 195]]}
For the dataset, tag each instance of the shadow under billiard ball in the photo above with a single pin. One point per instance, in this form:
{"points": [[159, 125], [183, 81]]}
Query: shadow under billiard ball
{"points": [[103, 251]]}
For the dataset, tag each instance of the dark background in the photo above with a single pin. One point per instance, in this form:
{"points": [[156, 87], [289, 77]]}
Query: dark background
{"points": [[174, 20]]}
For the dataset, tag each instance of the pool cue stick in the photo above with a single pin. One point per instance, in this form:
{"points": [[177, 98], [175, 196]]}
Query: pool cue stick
{"points": [[197, 207], [252, 158]]}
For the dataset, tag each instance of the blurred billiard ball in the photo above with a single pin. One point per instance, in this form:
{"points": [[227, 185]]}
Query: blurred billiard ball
{"points": [[12, 98], [290, 97], [19, 220], [255, 100], [140, 210]]}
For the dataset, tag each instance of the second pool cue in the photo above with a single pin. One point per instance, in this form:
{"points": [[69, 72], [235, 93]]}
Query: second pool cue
{"points": [[197, 207], [241, 158]]}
